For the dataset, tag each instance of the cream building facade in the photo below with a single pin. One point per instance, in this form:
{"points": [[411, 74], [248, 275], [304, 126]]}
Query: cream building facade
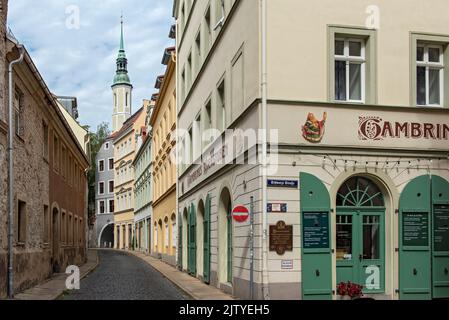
{"points": [[124, 152], [358, 178], [163, 122]]}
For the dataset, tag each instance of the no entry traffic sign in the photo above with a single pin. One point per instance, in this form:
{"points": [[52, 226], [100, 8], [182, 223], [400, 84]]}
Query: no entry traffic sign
{"points": [[240, 214]]}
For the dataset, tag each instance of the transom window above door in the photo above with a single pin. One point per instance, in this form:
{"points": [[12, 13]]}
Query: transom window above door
{"points": [[429, 75], [350, 64], [360, 192]]}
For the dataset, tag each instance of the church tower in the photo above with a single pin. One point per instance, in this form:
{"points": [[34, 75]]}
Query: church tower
{"points": [[121, 89]]}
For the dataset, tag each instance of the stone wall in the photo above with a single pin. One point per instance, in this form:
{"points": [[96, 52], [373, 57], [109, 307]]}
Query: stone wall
{"points": [[3, 172]]}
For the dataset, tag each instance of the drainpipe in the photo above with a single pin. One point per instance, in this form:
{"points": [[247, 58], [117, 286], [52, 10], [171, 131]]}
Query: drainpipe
{"points": [[11, 175], [264, 83]]}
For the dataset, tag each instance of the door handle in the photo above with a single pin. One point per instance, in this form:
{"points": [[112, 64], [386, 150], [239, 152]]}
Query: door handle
{"points": [[360, 257], [317, 272], [415, 272]]}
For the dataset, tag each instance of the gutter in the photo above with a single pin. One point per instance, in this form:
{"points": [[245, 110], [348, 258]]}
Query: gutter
{"points": [[264, 84], [10, 150]]}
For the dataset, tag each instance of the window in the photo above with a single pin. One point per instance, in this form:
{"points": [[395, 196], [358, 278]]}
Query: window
{"points": [[70, 230], [46, 228], [101, 207], [127, 99], [18, 113], [45, 137], [429, 75], [182, 85], [63, 227], [174, 232], [198, 60], [237, 90], [219, 13], [101, 165], [197, 137], [111, 164], [101, 188], [21, 220], [207, 32], [208, 136], [221, 106], [56, 152], [166, 234], [352, 60], [63, 161], [189, 73], [111, 206], [190, 146], [349, 69], [106, 146], [111, 186]]}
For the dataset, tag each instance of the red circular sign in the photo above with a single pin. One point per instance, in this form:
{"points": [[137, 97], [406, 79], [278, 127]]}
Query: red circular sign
{"points": [[240, 214]]}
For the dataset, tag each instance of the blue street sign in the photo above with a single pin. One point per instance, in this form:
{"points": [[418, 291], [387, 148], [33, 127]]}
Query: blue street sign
{"points": [[283, 183]]}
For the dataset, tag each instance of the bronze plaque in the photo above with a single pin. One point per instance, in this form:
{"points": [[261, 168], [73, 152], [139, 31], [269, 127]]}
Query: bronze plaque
{"points": [[281, 238]]}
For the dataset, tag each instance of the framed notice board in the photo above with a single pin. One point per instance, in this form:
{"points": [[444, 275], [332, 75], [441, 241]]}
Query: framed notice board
{"points": [[315, 230], [415, 229], [441, 228]]}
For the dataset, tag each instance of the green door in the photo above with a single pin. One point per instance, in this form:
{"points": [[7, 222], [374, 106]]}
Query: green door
{"points": [[316, 246], [192, 241], [414, 241], [361, 235], [230, 245], [440, 238], [206, 233]]}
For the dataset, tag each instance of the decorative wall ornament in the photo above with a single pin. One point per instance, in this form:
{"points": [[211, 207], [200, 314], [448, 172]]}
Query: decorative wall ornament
{"points": [[314, 129]]}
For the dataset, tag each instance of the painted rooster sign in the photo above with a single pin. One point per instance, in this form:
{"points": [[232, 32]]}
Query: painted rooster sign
{"points": [[313, 130]]}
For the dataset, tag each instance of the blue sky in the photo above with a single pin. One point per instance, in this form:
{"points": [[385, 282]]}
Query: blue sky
{"points": [[81, 61]]}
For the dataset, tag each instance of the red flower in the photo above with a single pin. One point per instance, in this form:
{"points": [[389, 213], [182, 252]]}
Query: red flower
{"points": [[350, 289]]}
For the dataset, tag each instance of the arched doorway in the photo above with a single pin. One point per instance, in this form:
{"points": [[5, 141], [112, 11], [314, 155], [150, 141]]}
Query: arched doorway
{"points": [[160, 240], [106, 238], [200, 239], [55, 240], [225, 245], [360, 236]]}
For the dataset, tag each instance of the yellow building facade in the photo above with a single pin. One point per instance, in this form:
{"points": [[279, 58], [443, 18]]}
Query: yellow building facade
{"points": [[163, 121], [124, 153]]}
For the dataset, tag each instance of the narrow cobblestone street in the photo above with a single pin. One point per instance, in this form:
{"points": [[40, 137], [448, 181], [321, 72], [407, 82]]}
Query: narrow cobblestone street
{"points": [[120, 276]]}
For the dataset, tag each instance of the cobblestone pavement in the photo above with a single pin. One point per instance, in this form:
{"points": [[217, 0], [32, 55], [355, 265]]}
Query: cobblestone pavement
{"points": [[120, 276]]}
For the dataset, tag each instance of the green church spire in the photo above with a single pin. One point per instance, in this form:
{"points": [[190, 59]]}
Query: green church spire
{"points": [[121, 75]]}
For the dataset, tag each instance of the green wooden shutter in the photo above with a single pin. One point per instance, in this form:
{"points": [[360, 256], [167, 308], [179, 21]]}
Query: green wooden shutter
{"points": [[316, 254], [206, 230], [440, 237], [230, 245], [193, 231], [414, 247]]}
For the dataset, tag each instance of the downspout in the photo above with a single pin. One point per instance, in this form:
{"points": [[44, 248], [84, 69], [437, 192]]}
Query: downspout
{"points": [[264, 83], [11, 175]]}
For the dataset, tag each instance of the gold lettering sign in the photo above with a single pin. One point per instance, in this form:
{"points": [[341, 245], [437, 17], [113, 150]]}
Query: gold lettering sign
{"points": [[281, 238]]}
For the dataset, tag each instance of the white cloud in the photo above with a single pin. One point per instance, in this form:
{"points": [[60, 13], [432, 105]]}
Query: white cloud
{"points": [[81, 62]]}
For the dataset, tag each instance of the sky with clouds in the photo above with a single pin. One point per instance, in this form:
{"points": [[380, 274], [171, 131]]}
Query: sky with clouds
{"points": [[81, 61]]}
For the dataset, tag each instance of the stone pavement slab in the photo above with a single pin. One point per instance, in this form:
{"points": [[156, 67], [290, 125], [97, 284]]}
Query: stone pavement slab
{"points": [[192, 286], [53, 288]]}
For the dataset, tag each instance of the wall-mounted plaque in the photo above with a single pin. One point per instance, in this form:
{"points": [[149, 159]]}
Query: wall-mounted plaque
{"points": [[441, 228], [277, 207], [415, 229], [281, 238], [315, 230]]}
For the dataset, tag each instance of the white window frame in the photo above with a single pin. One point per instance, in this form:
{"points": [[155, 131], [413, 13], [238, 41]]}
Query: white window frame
{"points": [[105, 207], [99, 189], [106, 146], [104, 166], [351, 59], [431, 65], [109, 168], [109, 192], [109, 205]]}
